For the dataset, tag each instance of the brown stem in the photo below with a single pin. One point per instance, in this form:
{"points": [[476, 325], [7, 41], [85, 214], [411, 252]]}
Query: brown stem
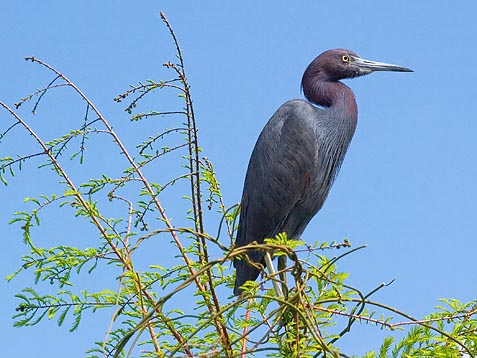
{"points": [[194, 167]]}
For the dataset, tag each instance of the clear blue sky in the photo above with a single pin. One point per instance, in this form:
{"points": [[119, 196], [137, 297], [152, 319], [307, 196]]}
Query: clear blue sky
{"points": [[407, 187]]}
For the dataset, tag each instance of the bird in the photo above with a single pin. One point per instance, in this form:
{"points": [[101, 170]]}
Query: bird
{"points": [[298, 155]]}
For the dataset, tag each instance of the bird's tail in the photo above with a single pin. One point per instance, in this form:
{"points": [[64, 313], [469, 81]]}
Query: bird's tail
{"points": [[244, 273]]}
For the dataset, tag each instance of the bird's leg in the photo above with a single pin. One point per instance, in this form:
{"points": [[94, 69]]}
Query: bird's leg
{"points": [[273, 274], [282, 265]]}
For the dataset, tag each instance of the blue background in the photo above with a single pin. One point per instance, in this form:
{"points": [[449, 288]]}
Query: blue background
{"points": [[407, 186]]}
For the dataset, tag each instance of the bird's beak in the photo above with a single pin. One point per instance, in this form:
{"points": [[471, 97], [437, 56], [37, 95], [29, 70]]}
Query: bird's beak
{"points": [[371, 66]]}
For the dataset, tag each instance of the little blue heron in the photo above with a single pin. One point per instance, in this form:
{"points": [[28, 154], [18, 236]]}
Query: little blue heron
{"points": [[298, 154]]}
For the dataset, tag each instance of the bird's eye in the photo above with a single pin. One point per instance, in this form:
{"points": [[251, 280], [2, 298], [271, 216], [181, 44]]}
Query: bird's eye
{"points": [[345, 58]]}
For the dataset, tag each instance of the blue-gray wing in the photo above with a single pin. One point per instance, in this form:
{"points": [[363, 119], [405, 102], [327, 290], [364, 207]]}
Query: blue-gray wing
{"points": [[281, 191]]}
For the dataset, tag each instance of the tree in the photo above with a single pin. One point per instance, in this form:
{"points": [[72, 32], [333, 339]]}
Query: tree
{"points": [[125, 206]]}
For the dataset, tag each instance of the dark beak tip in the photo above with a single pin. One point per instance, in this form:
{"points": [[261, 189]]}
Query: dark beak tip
{"points": [[400, 69]]}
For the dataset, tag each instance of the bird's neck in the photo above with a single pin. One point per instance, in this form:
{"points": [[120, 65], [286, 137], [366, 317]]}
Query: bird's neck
{"points": [[333, 95]]}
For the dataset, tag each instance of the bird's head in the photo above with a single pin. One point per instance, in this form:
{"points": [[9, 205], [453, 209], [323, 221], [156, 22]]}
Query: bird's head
{"points": [[337, 64]]}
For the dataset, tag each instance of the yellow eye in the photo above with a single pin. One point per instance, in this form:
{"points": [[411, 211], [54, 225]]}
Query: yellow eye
{"points": [[345, 58]]}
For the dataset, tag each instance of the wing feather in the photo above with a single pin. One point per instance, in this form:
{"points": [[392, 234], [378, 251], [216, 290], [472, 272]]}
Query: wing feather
{"points": [[282, 167]]}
